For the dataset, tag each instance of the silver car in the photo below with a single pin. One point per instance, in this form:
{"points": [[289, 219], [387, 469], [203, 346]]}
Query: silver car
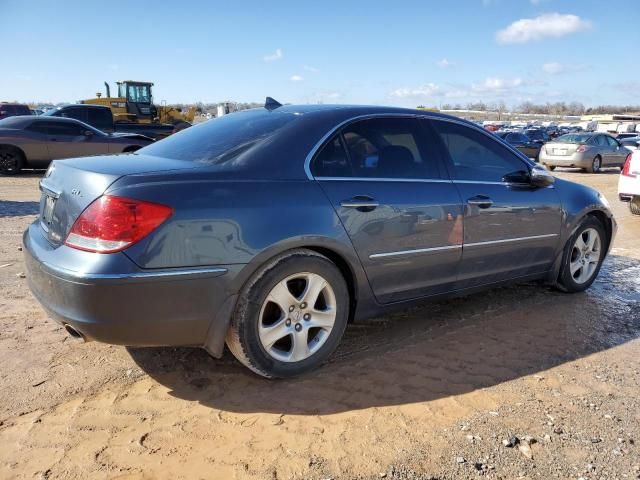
{"points": [[589, 151]]}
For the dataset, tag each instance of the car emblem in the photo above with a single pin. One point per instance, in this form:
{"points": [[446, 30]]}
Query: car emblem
{"points": [[76, 192]]}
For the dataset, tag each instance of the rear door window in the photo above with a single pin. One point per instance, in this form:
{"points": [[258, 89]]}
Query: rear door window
{"points": [[601, 141], [389, 148], [38, 127], [64, 129]]}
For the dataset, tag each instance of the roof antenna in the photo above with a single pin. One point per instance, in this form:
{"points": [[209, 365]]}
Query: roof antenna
{"points": [[271, 104]]}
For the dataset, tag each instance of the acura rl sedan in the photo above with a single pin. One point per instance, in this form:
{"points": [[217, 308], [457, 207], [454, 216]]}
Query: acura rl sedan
{"points": [[271, 229]]}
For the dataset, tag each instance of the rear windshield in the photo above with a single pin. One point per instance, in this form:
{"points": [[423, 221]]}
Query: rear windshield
{"points": [[13, 122], [574, 138], [222, 139]]}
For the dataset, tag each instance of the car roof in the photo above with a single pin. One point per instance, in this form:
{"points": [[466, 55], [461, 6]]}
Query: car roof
{"points": [[81, 105]]}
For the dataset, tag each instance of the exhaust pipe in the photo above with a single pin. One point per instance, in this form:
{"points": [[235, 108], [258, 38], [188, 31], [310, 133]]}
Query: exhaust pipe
{"points": [[108, 89], [75, 334]]}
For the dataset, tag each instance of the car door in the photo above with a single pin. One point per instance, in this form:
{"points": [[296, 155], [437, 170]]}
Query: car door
{"points": [[68, 139], [35, 144], [511, 229], [618, 154], [403, 217]]}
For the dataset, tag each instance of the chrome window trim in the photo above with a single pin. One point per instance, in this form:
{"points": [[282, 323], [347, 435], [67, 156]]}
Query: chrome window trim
{"points": [[456, 247], [426, 116], [382, 179], [509, 240], [410, 252]]}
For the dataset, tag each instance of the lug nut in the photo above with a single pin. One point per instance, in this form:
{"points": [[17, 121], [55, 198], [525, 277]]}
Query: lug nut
{"points": [[307, 316], [303, 305], [292, 308], [298, 327], [288, 322]]}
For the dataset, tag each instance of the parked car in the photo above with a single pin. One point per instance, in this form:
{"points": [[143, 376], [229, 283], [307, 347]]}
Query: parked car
{"points": [[538, 135], [589, 151], [36, 111], [13, 109], [620, 136], [522, 142], [101, 117], [629, 182], [631, 143], [272, 228], [33, 141]]}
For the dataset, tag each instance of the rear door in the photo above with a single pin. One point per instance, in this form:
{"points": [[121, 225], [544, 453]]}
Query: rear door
{"points": [[100, 118], [402, 215], [511, 229]]}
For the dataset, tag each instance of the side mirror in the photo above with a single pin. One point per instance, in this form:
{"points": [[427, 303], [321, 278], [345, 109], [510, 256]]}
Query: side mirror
{"points": [[521, 177], [540, 177]]}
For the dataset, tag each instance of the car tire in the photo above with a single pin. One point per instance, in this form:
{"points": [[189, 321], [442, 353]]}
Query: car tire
{"points": [[278, 340], [578, 269], [11, 161], [596, 164], [634, 206]]}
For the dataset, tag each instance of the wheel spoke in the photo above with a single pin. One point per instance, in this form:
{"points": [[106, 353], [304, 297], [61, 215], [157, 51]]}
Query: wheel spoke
{"points": [[591, 239], [300, 347], [322, 319], [580, 242], [315, 285], [281, 296], [270, 335], [574, 267]]}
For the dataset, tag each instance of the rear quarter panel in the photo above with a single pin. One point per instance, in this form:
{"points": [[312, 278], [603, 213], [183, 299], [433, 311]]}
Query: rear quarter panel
{"points": [[240, 223]]}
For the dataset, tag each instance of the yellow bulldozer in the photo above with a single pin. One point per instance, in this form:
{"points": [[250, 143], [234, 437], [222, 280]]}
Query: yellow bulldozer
{"points": [[134, 104]]}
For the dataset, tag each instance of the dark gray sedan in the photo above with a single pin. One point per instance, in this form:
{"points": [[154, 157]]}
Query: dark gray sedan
{"points": [[34, 141], [271, 229]]}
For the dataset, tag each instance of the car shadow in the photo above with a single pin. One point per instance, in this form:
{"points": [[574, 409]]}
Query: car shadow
{"points": [[9, 208], [438, 350]]}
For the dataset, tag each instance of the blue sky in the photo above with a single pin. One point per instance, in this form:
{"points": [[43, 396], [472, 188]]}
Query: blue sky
{"points": [[393, 53]]}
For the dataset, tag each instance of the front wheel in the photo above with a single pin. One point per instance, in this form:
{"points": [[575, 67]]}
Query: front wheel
{"points": [[583, 256], [290, 316]]}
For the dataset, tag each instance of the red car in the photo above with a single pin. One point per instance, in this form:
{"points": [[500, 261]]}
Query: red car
{"points": [[13, 109]]}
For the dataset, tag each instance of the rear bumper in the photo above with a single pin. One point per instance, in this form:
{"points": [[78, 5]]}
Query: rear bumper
{"points": [[108, 299], [575, 160]]}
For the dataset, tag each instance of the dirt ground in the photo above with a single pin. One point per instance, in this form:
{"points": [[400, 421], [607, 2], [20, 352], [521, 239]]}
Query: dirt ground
{"points": [[434, 392]]}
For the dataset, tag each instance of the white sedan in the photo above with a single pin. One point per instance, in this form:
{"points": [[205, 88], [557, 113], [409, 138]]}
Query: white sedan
{"points": [[629, 183]]}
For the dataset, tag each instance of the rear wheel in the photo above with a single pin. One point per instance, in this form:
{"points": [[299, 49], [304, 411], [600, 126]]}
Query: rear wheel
{"points": [[596, 163], [634, 205], [583, 256], [11, 161], [291, 315]]}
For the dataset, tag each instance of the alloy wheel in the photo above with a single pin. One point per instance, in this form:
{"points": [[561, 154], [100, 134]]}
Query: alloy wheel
{"points": [[585, 256], [596, 164], [297, 317], [8, 162]]}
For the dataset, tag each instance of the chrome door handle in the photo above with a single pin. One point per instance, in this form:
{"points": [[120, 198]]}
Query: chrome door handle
{"points": [[360, 202], [480, 201]]}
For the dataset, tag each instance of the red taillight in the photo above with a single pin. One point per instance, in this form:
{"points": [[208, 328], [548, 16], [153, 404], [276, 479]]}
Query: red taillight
{"points": [[582, 148], [626, 169], [111, 224]]}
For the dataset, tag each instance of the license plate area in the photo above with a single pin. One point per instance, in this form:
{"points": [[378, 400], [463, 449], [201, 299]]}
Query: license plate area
{"points": [[48, 205]]}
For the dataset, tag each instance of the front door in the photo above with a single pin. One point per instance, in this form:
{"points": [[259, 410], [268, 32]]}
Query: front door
{"points": [[511, 229], [68, 139], [403, 218]]}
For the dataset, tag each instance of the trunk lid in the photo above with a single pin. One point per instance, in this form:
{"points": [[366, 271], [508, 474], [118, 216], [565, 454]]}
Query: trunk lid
{"points": [[561, 149], [70, 186]]}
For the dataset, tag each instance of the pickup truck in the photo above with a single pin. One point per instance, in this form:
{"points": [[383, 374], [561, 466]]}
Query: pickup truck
{"points": [[101, 117]]}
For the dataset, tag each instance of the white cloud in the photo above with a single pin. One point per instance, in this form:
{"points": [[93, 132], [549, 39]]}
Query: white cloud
{"points": [[495, 85], [550, 25], [277, 55], [555, 68], [426, 90], [445, 63], [309, 68], [296, 78]]}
